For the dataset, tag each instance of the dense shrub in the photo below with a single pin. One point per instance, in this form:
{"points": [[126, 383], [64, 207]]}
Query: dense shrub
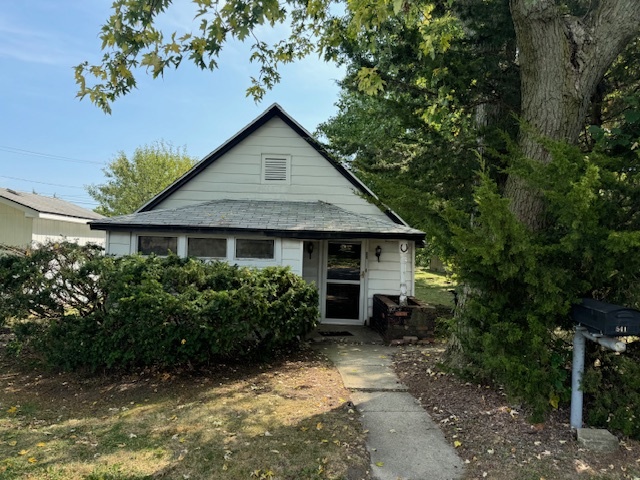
{"points": [[45, 282], [612, 390], [522, 283], [170, 311]]}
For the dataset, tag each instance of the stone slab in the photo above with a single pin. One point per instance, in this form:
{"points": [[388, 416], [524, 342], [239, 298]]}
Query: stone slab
{"points": [[358, 355], [369, 402], [597, 439], [370, 378], [409, 446]]}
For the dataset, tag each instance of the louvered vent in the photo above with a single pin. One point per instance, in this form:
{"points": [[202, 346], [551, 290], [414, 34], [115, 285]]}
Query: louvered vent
{"points": [[275, 169]]}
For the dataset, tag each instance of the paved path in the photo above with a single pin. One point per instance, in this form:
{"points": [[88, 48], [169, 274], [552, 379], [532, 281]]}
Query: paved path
{"points": [[403, 441]]}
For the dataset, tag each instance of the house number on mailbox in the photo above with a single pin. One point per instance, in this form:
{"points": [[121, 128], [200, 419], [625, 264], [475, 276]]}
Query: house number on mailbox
{"points": [[620, 329]]}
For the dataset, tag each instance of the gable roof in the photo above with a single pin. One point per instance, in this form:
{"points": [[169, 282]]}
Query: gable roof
{"points": [[42, 204], [273, 111], [317, 220]]}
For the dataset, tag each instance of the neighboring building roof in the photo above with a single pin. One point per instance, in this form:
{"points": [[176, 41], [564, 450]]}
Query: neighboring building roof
{"points": [[51, 205], [315, 220], [273, 111]]}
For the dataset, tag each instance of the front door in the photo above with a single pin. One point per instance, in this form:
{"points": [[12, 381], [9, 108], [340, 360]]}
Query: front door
{"points": [[343, 291]]}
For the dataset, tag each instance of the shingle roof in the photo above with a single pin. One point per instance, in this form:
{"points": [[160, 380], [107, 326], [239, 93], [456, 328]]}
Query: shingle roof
{"points": [[273, 218], [51, 205]]}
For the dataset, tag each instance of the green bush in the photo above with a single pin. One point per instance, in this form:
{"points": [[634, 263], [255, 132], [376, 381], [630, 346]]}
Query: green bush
{"points": [[47, 281], [156, 311], [522, 283], [612, 390]]}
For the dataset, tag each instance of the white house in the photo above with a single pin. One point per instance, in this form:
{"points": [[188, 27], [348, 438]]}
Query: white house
{"points": [[271, 195], [28, 218]]}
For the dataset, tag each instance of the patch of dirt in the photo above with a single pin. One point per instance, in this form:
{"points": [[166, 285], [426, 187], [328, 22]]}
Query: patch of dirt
{"points": [[494, 438]]}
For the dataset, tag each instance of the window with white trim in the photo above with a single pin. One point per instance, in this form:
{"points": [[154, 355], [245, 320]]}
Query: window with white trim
{"points": [[157, 245], [207, 247], [254, 249], [276, 169]]}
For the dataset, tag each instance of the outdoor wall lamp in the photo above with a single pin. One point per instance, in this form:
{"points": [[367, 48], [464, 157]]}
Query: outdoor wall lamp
{"points": [[378, 252], [309, 249]]}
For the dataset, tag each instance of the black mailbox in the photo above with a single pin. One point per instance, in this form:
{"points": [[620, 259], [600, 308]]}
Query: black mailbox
{"points": [[606, 318]]}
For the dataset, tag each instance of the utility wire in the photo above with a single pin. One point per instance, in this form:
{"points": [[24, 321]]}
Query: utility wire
{"points": [[21, 151], [41, 183]]}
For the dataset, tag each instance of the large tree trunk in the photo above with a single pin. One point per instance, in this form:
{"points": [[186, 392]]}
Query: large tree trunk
{"points": [[562, 59]]}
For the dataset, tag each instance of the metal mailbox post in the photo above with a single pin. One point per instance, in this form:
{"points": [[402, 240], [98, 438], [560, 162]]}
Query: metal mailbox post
{"points": [[599, 322]]}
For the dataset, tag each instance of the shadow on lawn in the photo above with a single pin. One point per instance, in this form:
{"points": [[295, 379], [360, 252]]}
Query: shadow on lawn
{"points": [[288, 420]]}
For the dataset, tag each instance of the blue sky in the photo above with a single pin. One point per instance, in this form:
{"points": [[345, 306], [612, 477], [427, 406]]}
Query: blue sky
{"points": [[52, 143]]}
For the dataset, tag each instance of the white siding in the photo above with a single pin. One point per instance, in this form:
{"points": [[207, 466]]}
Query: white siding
{"points": [[119, 243], [15, 228], [237, 175], [311, 264], [384, 276], [45, 230], [292, 255]]}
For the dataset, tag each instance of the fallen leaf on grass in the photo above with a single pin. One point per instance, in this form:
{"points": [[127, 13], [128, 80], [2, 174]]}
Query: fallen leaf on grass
{"points": [[41, 444], [13, 443], [12, 410], [32, 460], [319, 426], [23, 452], [379, 464], [457, 443]]}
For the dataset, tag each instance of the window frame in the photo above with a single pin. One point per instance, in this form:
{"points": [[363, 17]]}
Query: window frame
{"points": [[227, 241], [139, 237], [254, 259]]}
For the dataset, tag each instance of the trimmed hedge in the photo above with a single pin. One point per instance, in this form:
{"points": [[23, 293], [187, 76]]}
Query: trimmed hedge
{"points": [[159, 311]]}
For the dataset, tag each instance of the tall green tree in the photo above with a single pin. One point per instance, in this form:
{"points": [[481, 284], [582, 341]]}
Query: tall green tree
{"points": [[131, 182]]}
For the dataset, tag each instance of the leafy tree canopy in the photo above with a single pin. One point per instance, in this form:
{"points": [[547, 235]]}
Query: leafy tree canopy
{"points": [[133, 182]]}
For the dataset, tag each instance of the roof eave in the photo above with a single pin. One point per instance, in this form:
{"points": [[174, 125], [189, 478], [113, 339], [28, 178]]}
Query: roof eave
{"points": [[300, 234]]}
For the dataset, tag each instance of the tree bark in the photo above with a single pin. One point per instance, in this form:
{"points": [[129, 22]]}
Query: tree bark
{"points": [[562, 59]]}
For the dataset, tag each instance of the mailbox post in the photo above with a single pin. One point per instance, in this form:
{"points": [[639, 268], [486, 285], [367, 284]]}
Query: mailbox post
{"points": [[598, 322]]}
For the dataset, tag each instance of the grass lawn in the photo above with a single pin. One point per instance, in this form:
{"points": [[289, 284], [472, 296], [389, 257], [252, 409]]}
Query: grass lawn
{"points": [[287, 420], [433, 287]]}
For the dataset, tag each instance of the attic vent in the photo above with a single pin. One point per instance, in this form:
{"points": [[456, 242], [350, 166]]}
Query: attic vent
{"points": [[276, 168]]}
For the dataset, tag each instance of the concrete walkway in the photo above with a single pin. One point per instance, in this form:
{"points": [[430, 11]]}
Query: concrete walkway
{"points": [[403, 441]]}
